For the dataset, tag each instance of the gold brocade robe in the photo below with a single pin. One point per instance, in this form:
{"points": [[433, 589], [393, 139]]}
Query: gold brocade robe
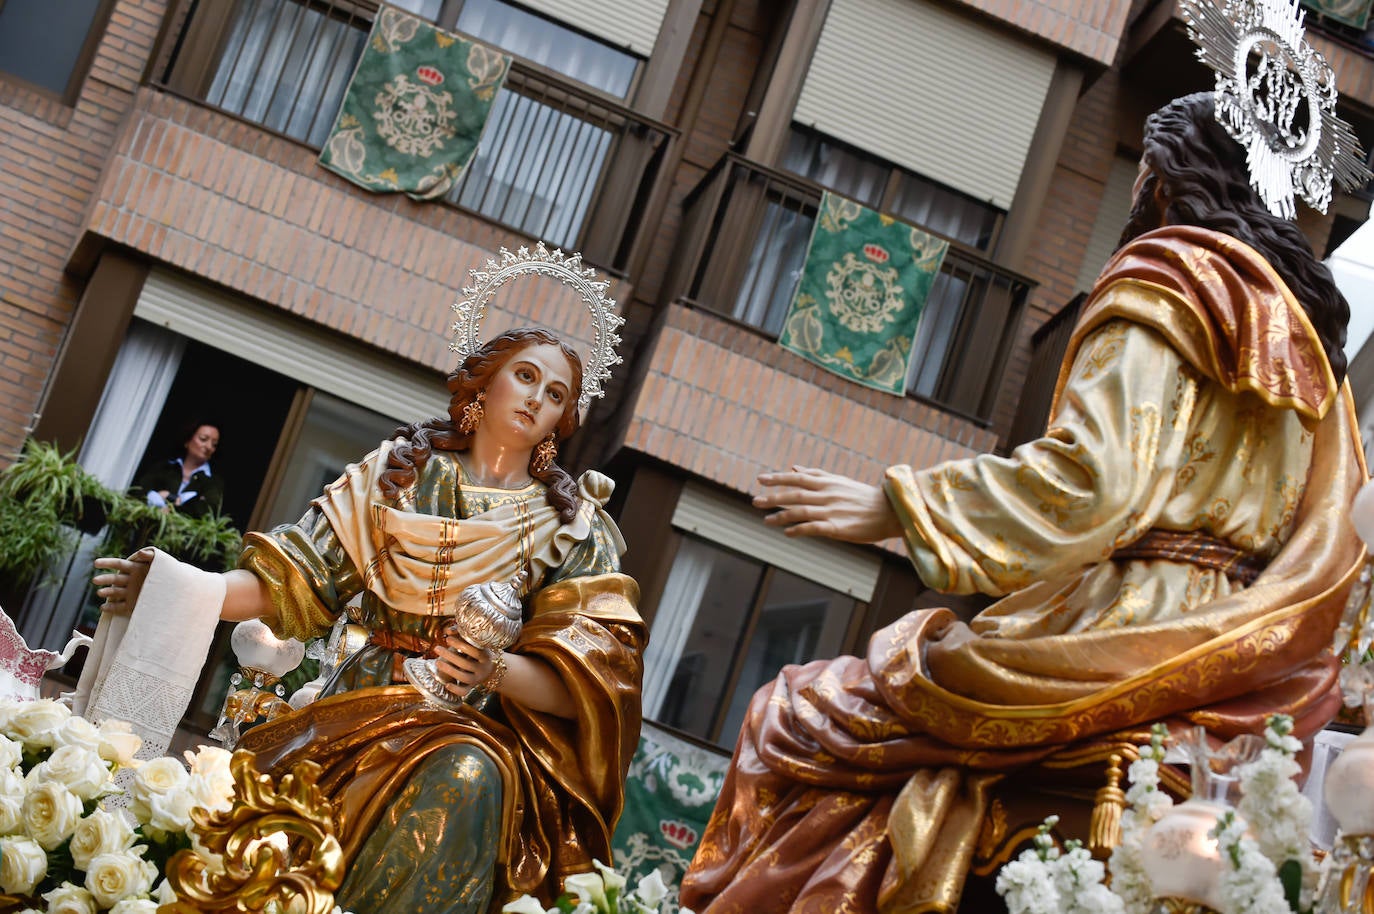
{"points": [[561, 780], [1195, 397]]}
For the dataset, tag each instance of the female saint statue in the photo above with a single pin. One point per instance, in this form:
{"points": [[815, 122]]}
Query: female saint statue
{"points": [[444, 811]]}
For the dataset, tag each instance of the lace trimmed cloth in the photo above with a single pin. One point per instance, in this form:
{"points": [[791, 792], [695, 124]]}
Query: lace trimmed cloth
{"points": [[143, 667]]}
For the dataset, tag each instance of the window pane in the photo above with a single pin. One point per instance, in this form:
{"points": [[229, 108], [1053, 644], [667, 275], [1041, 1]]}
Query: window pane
{"points": [[845, 171], [696, 630], [945, 212], [550, 45], [535, 169], [775, 266], [800, 622], [39, 44], [699, 631], [286, 66]]}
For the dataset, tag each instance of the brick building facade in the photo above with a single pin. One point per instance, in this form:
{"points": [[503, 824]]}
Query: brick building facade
{"points": [[167, 197]]}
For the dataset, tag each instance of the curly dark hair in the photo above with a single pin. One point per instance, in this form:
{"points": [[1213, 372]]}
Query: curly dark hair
{"points": [[466, 381], [1200, 172]]}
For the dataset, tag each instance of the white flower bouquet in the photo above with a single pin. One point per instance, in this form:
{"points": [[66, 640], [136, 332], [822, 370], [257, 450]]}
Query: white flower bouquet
{"points": [[63, 848], [1266, 862], [600, 892]]}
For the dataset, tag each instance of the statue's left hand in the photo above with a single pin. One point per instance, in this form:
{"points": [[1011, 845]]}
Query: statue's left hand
{"points": [[811, 502], [462, 665], [122, 580]]}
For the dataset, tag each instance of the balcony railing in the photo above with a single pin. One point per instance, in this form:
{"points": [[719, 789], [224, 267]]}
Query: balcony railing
{"points": [[557, 161], [745, 233], [1048, 345]]}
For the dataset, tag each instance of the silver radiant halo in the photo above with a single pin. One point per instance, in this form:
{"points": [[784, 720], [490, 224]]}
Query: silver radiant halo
{"points": [[1276, 95], [565, 268]]}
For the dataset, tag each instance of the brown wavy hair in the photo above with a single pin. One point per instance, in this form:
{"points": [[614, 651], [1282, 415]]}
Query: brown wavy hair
{"points": [[1204, 180], [466, 381]]}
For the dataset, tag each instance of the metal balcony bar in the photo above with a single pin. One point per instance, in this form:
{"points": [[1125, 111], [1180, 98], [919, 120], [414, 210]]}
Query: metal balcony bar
{"points": [[746, 231], [1048, 345], [558, 161]]}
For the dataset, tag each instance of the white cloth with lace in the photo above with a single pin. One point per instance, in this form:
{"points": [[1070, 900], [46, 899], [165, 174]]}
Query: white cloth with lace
{"points": [[143, 667]]}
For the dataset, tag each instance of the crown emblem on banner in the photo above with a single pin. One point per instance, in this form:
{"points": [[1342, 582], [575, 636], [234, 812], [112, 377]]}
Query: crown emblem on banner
{"points": [[678, 834], [876, 253]]}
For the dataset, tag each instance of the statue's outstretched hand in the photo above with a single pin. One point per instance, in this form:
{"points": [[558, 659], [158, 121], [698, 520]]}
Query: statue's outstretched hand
{"points": [[811, 502], [120, 580]]}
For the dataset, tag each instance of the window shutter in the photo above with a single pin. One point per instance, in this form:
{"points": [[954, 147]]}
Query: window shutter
{"points": [[725, 522], [629, 24], [290, 346], [931, 89]]}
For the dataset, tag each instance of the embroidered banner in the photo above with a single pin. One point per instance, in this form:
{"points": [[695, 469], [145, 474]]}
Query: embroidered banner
{"points": [[1350, 12], [670, 791], [861, 292], [415, 108]]}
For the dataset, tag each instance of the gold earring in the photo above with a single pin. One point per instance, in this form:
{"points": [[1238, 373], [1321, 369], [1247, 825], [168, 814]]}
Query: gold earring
{"points": [[545, 453], [472, 414]]}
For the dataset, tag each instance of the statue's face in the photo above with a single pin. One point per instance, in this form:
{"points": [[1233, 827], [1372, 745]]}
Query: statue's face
{"points": [[527, 396]]}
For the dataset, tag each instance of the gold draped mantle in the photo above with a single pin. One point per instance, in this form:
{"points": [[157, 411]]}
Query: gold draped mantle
{"points": [[1194, 397], [563, 779]]}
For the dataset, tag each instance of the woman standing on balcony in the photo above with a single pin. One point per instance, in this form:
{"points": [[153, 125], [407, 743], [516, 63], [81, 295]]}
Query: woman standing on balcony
{"points": [[187, 484], [1176, 547], [446, 811]]}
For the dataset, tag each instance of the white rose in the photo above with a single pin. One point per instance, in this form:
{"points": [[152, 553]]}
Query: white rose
{"points": [[211, 780], [23, 864], [36, 723], [78, 731], [79, 769], [99, 833], [13, 789], [69, 899], [119, 742], [11, 815], [171, 811], [114, 877], [214, 863], [135, 906], [50, 814], [11, 753], [8, 708], [164, 893], [156, 778]]}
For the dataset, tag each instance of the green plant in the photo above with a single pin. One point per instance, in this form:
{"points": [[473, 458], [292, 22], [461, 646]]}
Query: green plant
{"points": [[41, 493], [45, 493]]}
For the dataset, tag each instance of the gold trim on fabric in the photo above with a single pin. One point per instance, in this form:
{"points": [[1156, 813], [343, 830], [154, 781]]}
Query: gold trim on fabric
{"points": [[1197, 258]]}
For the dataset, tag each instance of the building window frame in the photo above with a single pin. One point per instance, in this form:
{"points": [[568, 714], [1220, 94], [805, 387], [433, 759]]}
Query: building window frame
{"points": [[726, 705], [81, 65]]}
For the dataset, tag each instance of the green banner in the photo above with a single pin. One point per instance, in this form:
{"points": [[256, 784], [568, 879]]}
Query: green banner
{"points": [[670, 791], [861, 292], [415, 108], [1350, 12]]}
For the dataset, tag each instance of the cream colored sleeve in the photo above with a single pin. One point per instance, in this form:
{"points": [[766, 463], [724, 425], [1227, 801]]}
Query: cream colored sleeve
{"points": [[1098, 478]]}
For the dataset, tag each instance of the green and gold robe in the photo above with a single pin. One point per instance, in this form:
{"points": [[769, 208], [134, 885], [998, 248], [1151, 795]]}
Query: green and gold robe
{"points": [[458, 812]]}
